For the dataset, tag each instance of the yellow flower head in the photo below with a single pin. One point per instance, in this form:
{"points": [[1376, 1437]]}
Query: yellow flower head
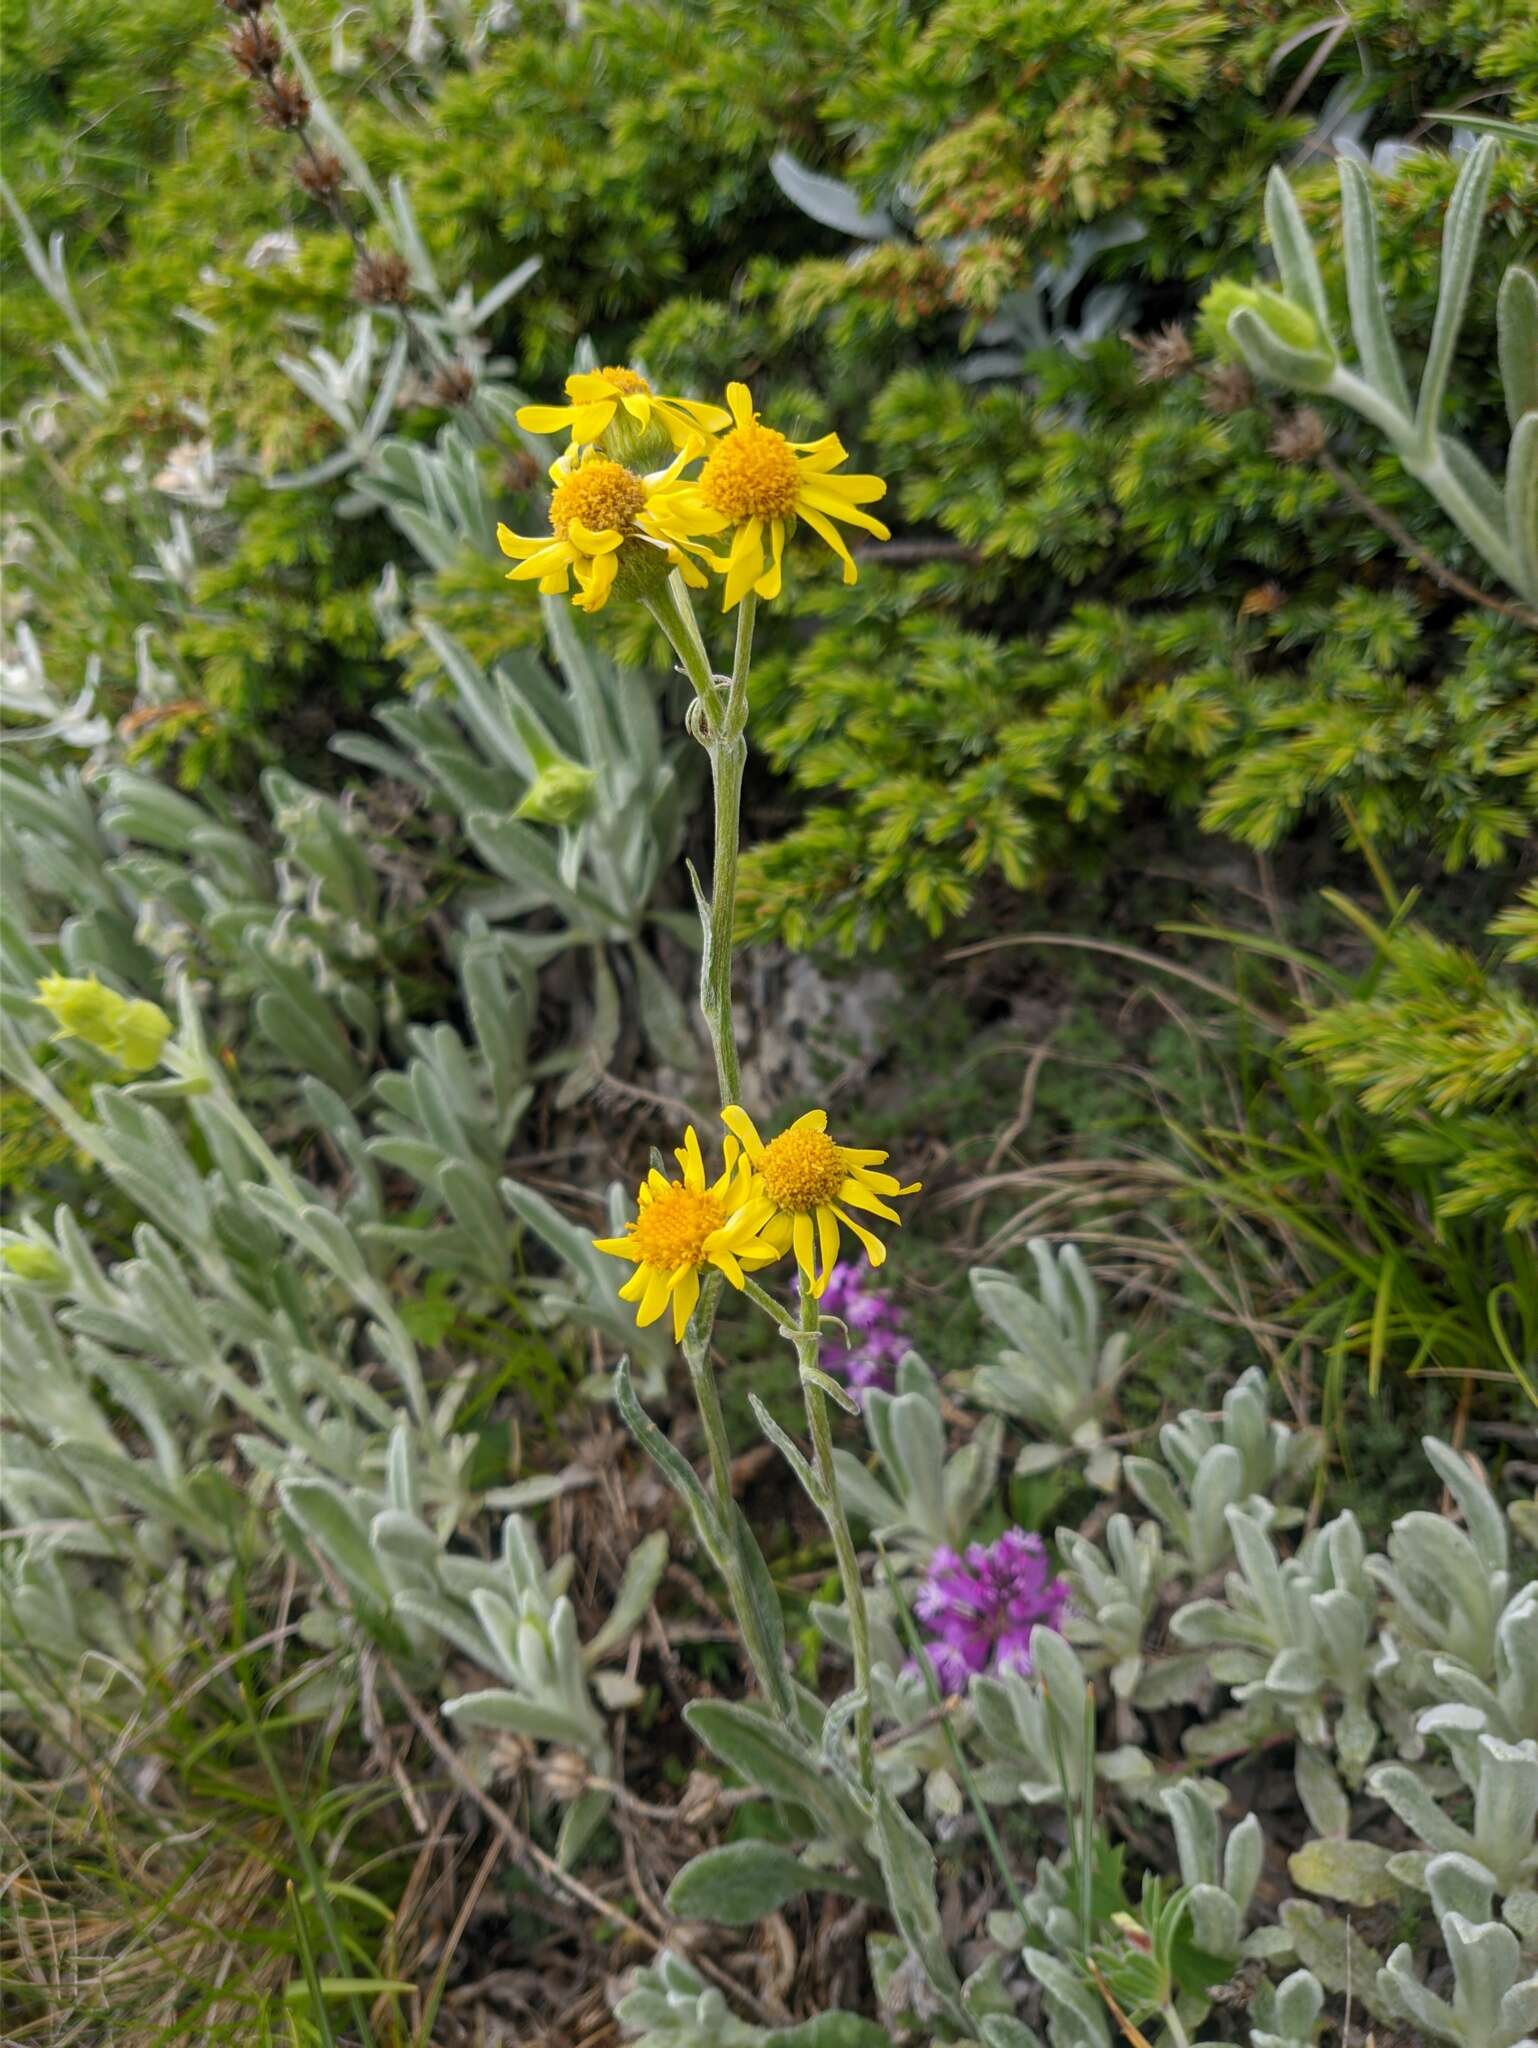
{"points": [[597, 506], [132, 1033], [759, 483], [684, 1226], [810, 1182], [597, 395]]}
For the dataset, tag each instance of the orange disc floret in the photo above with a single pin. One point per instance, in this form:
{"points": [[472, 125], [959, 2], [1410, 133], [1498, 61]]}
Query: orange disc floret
{"points": [[753, 474], [602, 496], [672, 1227], [801, 1168]]}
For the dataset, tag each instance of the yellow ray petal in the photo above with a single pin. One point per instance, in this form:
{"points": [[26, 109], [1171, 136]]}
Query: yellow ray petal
{"points": [[690, 1158], [827, 1239], [768, 585], [743, 1128], [616, 1247], [804, 1244], [813, 1120], [875, 1250], [858, 490], [831, 535], [655, 1299], [544, 419], [745, 564], [589, 421], [862, 1198], [740, 400], [602, 542], [811, 501], [685, 1294], [596, 576], [821, 455]]}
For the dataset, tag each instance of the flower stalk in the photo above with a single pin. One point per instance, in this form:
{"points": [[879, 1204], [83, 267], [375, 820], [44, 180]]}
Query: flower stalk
{"points": [[613, 528], [807, 1341]]}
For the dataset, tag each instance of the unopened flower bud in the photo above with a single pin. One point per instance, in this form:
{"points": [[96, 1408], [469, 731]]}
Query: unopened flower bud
{"points": [[143, 1029], [560, 794], [640, 446], [34, 1262], [132, 1033], [1290, 323]]}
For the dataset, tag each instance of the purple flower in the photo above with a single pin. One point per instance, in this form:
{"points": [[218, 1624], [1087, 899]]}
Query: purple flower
{"points": [[874, 1322], [981, 1608]]}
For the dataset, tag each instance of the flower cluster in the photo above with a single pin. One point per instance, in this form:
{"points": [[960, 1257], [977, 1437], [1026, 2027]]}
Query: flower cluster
{"points": [[791, 1193], [982, 1607], [734, 513], [874, 1321], [132, 1033]]}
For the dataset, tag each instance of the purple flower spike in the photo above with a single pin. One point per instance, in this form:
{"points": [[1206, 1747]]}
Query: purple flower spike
{"points": [[982, 1608], [874, 1322]]}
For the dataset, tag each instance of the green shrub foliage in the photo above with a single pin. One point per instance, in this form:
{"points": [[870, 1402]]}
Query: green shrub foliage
{"points": [[974, 237]]}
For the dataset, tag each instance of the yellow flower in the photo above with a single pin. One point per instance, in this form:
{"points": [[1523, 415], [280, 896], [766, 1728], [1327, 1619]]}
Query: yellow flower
{"points": [[597, 506], [683, 1227], [597, 395], [760, 483], [132, 1033], [809, 1182]]}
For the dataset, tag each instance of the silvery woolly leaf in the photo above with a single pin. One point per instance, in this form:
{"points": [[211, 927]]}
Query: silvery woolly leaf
{"points": [[333, 1526], [1522, 525], [762, 1752], [736, 1885], [1460, 242], [1294, 253], [643, 1570], [1483, 1519], [1517, 338], [1354, 1872], [1364, 288], [1070, 2002], [1320, 1790], [578, 1823], [829, 201], [1330, 1948], [496, 1707], [908, 1872]]}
